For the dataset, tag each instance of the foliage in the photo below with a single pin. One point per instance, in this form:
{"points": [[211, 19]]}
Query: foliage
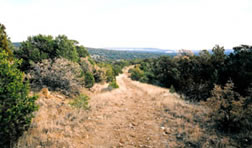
{"points": [[238, 67], [81, 102], [16, 106], [99, 74], [36, 49], [227, 107], [86, 66], [4, 41], [40, 47], [114, 55], [172, 89], [118, 66], [232, 113], [82, 51], [109, 72], [91, 61], [66, 48], [113, 68], [89, 80], [136, 73], [113, 85], [195, 76], [60, 75]]}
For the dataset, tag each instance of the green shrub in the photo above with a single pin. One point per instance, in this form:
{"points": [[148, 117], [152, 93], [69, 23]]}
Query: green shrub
{"points": [[89, 80], [82, 51], [40, 47], [81, 102], [5, 42], [136, 73], [99, 74], [227, 108], [117, 69], [86, 66], [66, 48], [109, 73], [172, 89], [35, 49], [232, 113], [16, 106], [91, 61], [113, 85]]}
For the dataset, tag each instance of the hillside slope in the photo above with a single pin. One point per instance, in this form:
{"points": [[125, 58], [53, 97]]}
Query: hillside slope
{"points": [[134, 115]]}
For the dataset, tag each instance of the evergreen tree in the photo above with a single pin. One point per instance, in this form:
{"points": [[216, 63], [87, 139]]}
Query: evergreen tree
{"points": [[4, 42]]}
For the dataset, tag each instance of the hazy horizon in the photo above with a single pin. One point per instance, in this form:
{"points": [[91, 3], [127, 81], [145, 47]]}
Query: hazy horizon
{"points": [[164, 24]]}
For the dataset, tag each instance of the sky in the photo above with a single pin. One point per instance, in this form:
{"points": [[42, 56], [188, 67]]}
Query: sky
{"points": [[166, 24]]}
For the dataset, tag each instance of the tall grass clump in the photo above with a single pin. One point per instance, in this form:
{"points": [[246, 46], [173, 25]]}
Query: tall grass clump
{"points": [[81, 102]]}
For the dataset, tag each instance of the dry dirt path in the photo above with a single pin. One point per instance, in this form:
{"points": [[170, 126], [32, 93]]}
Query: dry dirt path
{"points": [[134, 115], [129, 116]]}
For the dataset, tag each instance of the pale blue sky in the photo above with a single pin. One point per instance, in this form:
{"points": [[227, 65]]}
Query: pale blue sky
{"points": [[169, 24]]}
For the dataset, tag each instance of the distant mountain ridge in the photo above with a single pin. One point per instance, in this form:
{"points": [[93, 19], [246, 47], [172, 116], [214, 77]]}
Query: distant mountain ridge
{"points": [[145, 50], [157, 50], [166, 51], [16, 44]]}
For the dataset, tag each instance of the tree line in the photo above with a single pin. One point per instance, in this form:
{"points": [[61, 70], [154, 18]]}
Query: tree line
{"points": [[221, 82], [195, 76]]}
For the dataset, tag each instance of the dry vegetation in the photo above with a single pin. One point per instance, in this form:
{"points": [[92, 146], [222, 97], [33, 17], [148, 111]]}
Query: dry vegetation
{"points": [[134, 115], [56, 124]]}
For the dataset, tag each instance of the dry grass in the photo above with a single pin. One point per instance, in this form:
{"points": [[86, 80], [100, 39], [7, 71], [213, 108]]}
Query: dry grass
{"points": [[56, 124], [186, 125], [134, 115]]}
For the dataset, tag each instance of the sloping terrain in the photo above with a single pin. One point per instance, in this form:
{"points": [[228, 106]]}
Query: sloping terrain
{"points": [[134, 115]]}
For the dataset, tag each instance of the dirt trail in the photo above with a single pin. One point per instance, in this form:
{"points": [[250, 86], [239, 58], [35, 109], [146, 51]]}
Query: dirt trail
{"points": [[134, 115], [128, 116]]}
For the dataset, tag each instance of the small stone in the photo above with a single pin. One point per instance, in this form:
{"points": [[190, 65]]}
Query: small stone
{"points": [[167, 131], [132, 135], [59, 96], [121, 141]]}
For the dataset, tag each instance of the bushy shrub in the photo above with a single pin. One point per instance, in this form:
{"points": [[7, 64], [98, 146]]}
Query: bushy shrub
{"points": [[91, 61], [113, 85], [110, 76], [117, 69], [66, 48], [172, 89], [99, 74], [89, 80], [81, 102], [196, 91], [40, 47], [195, 76], [61, 75], [111, 69], [227, 108], [35, 49], [86, 66], [16, 106], [5, 42], [232, 113], [82, 51], [136, 73]]}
